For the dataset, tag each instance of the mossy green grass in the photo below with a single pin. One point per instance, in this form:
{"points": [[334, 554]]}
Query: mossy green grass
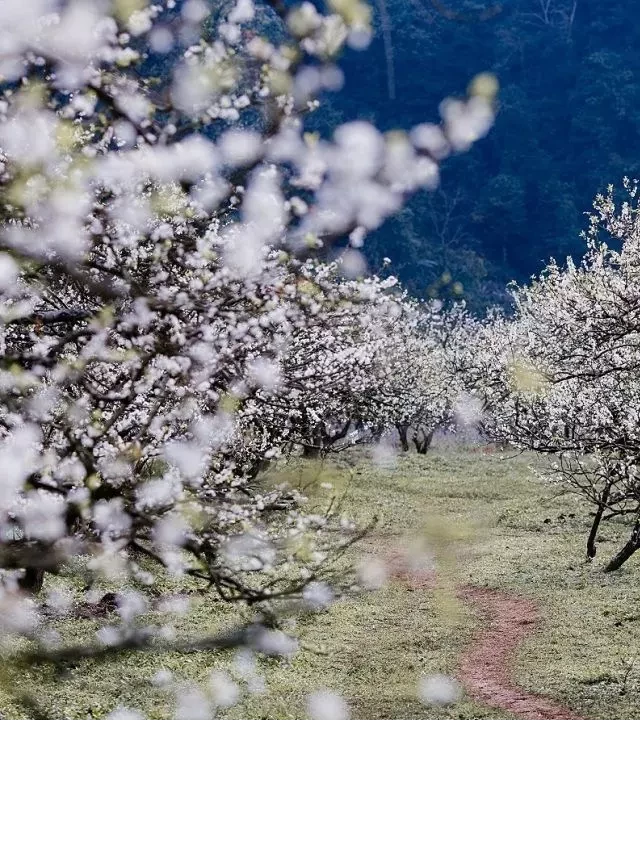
{"points": [[485, 518]]}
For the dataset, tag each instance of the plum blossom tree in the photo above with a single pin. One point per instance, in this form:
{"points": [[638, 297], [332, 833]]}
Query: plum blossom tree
{"points": [[565, 374], [183, 297], [373, 359], [428, 385]]}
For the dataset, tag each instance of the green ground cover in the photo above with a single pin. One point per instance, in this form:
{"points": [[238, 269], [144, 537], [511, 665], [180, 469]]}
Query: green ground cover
{"points": [[484, 519]]}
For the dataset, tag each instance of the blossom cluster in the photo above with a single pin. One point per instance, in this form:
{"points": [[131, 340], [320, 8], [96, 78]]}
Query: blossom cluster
{"points": [[183, 299], [562, 376]]}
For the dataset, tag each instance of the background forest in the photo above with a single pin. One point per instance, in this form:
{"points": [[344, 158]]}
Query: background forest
{"points": [[568, 125]]}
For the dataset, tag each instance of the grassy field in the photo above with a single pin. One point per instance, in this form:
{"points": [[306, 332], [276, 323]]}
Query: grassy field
{"points": [[485, 520]]}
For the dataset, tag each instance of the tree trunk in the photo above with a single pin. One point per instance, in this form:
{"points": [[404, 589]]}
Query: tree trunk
{"points": [[315, 442], [311, 451], [32, 580], [328, 440], [425, 442], [591, 541], [342, 432], [627, 550], [402, 432]]}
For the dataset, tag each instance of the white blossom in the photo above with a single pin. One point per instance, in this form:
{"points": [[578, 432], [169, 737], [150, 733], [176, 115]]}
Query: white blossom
{"points": [[326, 705], [224, 691], [192, 704], [439, 690], [123, 713], [373, 574]]}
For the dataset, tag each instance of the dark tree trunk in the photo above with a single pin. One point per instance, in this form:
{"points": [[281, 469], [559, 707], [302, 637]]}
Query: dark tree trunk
{"points": [[311, 451], [32, 580], [403, 429], [327, 439], [342, 432], [591, 541], [316, 441], [424, 443], [627, 550]]}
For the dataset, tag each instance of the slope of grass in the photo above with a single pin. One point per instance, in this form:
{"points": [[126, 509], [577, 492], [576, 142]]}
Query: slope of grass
{"points": [[482, 519]]}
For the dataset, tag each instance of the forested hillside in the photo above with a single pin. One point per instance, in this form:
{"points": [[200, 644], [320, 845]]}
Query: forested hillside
{"points": [[568, 125]]}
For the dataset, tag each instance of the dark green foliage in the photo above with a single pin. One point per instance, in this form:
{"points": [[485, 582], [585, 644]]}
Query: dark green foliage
{"points": [[569, 125]]}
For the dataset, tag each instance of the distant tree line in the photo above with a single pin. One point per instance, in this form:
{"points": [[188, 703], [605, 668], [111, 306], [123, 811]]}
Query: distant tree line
{"points": [[568, 125]]}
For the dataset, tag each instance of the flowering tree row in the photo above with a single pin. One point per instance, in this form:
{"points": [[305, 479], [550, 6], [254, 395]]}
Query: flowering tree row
{"points": [[562, 377], [371, 362], [183, 299]]}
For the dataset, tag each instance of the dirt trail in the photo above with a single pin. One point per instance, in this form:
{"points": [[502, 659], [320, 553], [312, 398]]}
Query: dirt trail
{"points": [[485, 668]]}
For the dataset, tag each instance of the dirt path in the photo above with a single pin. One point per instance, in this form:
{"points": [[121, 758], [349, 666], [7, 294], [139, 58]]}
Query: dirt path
{"points": [[485, 668]]}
